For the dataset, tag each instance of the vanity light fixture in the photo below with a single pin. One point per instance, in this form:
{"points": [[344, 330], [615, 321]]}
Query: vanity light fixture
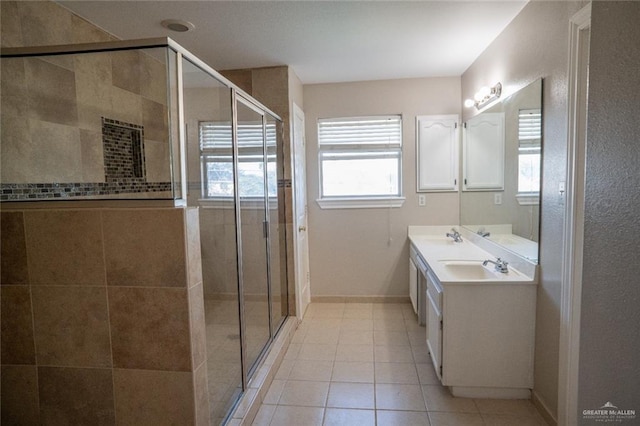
{"points": [[484, 96], [177, 25]]}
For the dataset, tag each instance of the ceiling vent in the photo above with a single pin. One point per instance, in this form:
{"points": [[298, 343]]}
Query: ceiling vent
{"points": [[178, 25]]}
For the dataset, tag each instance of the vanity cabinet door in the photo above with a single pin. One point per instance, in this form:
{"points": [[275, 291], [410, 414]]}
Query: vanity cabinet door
{"points": [[413, 285], [434, 323], [483, 153], [437, 153]]}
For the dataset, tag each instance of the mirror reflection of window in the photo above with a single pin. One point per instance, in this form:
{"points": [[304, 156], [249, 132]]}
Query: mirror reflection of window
{"points": [[529, 150]]}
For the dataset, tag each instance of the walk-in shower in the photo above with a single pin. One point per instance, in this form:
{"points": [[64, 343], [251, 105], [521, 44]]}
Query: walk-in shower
{"points": [[96, 124]]}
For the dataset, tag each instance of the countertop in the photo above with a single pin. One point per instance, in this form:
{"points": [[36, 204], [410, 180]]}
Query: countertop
{"points": [[450, 261]]}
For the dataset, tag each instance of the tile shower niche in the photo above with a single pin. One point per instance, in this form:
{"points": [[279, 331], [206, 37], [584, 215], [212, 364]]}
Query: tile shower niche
{"points": [[123, 152]]}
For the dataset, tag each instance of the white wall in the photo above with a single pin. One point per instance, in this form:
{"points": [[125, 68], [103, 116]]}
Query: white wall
{"points": [[534, 45], [364, 252]]}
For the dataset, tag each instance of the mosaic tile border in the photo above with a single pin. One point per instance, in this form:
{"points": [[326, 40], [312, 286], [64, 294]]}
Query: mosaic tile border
{"points": [[39, 191]]}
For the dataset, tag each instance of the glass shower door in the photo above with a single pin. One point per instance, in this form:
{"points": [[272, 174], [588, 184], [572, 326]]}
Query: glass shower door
{"points": [[252, 231], [208, 119]]}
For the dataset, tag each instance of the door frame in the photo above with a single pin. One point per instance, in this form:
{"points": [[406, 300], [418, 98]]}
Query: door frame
{"points": [[571, 289]]}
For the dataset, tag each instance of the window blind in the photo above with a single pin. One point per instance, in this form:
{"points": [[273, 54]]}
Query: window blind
{"points": [[218, 135], [530, 127], [380, 130]]}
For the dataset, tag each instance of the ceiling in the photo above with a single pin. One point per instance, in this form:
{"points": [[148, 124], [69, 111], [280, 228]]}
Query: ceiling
{"points": [[323, 41]]}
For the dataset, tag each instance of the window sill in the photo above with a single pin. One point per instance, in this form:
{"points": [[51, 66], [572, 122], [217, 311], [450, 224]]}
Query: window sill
{"points": [[360, 203], [528, 199]]}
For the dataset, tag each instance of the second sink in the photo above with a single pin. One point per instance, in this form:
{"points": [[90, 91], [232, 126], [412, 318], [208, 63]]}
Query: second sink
{"points": [[468, 270]]}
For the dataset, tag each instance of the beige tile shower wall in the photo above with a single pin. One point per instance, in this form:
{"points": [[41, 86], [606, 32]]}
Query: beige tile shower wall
{"points": [[364, 252], [52, 106], [102, 317], [219, 253], [217, 220]]}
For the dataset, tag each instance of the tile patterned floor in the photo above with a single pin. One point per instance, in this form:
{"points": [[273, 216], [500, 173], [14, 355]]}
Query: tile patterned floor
{"points": [[368, 364]]}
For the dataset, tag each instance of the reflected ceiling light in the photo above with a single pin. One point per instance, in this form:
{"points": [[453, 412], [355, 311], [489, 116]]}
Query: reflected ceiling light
{"points": [[177, 25], [484, 96]]}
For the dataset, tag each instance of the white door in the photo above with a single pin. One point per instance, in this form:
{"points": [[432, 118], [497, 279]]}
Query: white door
{"points": [[303, 287]]}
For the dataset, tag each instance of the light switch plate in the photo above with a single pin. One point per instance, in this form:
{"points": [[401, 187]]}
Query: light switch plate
{"points": [[497, 198], [422, 200]]}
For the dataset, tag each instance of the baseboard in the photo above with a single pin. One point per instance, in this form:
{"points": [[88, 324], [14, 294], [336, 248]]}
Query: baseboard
{"points": [[543, 409], [360, 299]]}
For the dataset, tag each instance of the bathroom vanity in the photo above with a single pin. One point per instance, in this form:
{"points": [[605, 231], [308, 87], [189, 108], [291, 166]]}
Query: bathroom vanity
{"points": [[480, 323]]}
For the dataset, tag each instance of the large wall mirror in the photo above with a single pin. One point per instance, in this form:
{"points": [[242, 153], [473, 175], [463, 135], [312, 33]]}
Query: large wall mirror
{"points": [[502, 157]]}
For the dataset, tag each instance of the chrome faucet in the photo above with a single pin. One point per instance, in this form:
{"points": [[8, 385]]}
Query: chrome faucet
{"points": [[482, 232], [455, 235], [501, 265]]}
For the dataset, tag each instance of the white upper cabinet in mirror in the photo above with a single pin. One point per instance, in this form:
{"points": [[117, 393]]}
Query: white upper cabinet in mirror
{"points": [[500, 199], [483, 152]]}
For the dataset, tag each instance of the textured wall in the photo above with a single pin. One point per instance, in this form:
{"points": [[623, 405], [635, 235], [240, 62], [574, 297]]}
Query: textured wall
{"points": [[364, 252], [535, 45], [610, 341]]}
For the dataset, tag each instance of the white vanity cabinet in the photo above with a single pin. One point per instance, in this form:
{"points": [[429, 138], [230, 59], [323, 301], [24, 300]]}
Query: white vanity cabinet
{"points": [[437, 153], [483, 337], [434, 322], [480, 323]]}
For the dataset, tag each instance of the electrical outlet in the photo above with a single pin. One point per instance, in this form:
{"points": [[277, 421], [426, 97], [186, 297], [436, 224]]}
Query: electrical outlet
{"points": [[422, 200], [497, 199]]}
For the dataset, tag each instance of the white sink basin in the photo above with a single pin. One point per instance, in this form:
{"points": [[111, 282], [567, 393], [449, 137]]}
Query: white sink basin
{"points": [[468, 270], [474, 270]]}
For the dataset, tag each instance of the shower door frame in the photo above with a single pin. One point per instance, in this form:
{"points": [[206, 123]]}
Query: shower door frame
{"points": [[249, 370]]}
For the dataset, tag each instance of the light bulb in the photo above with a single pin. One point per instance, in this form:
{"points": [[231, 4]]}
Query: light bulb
{"points": [[469, 103]]}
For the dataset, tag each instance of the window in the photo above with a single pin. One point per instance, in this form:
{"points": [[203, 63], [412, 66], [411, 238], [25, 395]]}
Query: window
{"points": [[360, 162], [529, 155], [216, 154]]}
